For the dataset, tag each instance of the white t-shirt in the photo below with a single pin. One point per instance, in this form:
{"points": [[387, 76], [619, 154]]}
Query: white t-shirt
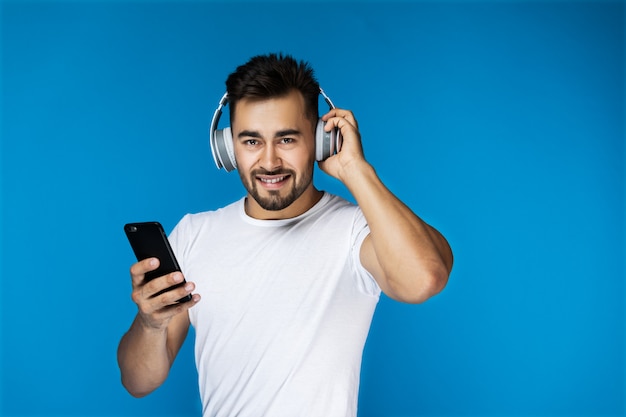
{"points": [[285, 311]]}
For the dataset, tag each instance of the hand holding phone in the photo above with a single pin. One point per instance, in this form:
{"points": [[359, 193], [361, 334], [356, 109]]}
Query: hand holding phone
{"points": [[148, 240]]}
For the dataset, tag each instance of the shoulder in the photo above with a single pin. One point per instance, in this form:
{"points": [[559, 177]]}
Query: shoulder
{"points": [[198, 219], [334, 203], [339, 206], [192, 224]]}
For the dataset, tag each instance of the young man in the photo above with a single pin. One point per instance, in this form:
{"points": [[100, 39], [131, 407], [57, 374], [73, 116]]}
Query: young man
{"points": [[289, 275]]}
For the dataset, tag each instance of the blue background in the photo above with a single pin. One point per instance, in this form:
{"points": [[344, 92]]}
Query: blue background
{"points": [[500, 123]]}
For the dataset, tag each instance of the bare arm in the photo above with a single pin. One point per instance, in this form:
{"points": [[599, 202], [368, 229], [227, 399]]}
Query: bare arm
{"points": [[410, 260], [147, 351]]}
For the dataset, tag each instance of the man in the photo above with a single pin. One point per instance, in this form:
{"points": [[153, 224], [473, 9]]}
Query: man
{"points": [[289, 275]]}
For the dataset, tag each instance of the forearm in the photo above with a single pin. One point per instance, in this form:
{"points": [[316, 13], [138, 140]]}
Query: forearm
{"points": [[414, 259], [143, 358]]}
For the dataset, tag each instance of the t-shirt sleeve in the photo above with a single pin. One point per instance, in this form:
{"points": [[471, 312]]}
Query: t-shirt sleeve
{"points": [[360, 230], [177, 240]]}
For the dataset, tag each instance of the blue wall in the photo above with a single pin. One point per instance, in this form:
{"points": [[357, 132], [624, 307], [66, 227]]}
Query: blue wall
{"points": [[501, 123]]}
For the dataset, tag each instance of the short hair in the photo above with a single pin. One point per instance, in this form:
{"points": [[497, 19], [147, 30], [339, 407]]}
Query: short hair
{"points": [[274, 75]]}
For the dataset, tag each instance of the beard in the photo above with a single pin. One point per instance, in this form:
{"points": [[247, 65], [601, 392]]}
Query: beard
{"points": [[277, 199]]}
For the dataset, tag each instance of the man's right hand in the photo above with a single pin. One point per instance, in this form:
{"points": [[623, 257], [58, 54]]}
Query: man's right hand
{"points": [[156, 311]]}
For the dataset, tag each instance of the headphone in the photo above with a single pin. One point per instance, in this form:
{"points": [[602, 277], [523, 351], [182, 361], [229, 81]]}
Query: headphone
{"points": [[222, 148]]}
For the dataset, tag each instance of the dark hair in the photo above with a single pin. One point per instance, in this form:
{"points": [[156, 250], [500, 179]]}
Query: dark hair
{"points": [[272, 75]]}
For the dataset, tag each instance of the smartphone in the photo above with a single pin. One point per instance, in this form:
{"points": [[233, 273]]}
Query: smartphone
{"points": [[148, 240]]}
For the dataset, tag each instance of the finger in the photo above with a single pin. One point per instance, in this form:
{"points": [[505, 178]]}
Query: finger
{"points": [[158, 285], [139, 270], [341, 114], [161, 293], [173, 294], [349, 131], [158, 313], [166, 313]]}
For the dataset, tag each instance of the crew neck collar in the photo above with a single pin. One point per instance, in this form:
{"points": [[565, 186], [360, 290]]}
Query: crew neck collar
{"points": [[280, 222]]}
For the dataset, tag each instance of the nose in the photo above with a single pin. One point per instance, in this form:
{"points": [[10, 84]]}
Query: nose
{"points": [[270, 159]]}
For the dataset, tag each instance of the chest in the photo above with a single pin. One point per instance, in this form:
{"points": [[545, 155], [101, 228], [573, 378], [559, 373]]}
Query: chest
{"points": [[269, 274]]}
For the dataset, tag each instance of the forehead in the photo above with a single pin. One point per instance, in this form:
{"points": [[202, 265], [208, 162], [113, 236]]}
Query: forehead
{"points": [[257, 113]]}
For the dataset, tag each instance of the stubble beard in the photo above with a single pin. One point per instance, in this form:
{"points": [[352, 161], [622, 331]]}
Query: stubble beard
{"points": [[275, 201]]}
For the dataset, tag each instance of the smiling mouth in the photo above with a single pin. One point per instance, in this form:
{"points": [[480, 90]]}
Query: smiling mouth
{"points": [[273, 180]]}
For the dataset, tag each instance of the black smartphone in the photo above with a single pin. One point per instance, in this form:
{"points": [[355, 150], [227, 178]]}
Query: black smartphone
{"points": [[148, 240]]}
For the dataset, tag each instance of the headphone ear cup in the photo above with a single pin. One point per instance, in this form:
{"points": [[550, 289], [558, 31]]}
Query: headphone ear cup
{"points": [[224, 150], [323, 141], [326, 143]]}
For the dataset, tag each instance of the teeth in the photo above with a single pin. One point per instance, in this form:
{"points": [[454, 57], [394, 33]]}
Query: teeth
{"points": [[272, 180]]}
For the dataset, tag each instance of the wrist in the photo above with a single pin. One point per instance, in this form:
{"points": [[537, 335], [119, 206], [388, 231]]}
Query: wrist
{"points": [[356, 173], [149, 327]]}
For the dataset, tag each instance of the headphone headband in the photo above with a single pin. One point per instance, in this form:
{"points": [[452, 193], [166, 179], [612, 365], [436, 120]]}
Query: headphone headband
{"points": [[215, 145]]}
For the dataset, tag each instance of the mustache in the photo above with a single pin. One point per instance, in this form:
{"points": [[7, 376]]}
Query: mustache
{"points": [[276, 172]]}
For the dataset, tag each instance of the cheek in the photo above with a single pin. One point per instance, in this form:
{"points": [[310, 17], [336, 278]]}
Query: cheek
{"points": [[307, 153], [242, 158], [302, 162]]}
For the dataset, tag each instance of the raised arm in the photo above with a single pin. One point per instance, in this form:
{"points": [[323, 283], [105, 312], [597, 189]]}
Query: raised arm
{"points": [[410, 260], [147, 351]]}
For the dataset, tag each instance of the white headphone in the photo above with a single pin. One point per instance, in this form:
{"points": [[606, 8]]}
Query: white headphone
{"points": [[222, 148]]}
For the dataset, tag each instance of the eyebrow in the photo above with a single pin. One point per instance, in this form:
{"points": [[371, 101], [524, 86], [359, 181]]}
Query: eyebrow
{"points": [[279, 134]]}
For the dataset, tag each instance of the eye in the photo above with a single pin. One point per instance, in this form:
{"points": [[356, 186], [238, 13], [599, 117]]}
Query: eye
{"points": [[287, 141], [251, 142]]}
